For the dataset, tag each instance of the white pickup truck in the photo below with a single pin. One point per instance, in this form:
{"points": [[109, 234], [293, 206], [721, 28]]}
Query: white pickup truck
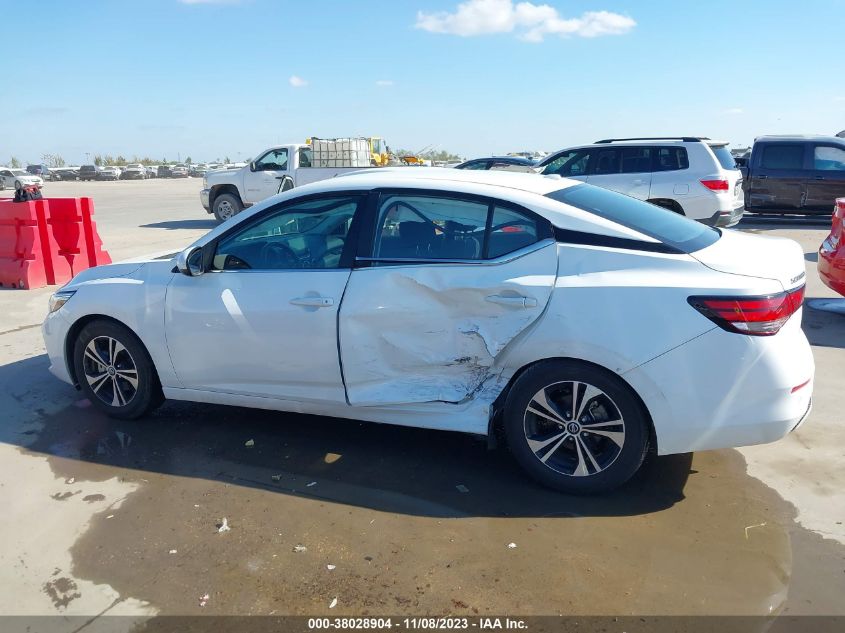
{"points": [[226, 192]]}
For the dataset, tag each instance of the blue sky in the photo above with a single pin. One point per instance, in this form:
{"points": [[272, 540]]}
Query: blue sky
{"points": [[214, 78]]}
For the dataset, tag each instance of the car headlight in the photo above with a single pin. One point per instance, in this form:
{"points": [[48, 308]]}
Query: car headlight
{"points": [[58, 299], [205, 182]]}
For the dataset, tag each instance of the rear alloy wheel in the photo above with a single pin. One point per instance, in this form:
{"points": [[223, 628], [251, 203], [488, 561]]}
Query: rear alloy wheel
{"points": [[226, 206], [115, 371], [575, 427]]}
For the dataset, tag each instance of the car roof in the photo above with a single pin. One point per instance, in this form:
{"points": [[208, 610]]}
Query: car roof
{"points": [[786, 138]]}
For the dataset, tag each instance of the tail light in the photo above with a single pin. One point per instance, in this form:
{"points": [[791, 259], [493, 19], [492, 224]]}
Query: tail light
{"points": [[756, 316], [716, 185]]}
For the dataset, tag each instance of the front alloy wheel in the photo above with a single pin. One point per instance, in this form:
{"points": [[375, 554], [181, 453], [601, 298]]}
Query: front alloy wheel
{"points": [[575, 427], [115, 371]]}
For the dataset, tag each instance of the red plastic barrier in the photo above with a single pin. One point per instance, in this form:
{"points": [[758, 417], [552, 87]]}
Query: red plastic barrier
{"points": [[47, 241], [75, 233], [21, 257]]}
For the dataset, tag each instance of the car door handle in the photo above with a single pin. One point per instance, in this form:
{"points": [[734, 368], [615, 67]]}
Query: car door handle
{"points": [[514, 302], [762, 176], [819, 178], [313, 302]]}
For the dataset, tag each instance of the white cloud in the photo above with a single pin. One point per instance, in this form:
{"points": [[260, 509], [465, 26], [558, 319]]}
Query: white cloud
{"points": [[734, 111], [297, 82], [384, 82], [531, 22]]}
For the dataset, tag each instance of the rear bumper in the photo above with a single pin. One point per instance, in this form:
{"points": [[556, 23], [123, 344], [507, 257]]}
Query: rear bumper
{"points": [[831, 267], [204, 199], [724, 390], [725, 218]]}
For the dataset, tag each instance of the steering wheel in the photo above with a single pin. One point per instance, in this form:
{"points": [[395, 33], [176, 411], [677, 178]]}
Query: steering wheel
{"points": [[278, 255]]}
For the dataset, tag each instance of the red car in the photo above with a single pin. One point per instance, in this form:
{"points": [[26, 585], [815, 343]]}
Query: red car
{"points": [[832, 252]]}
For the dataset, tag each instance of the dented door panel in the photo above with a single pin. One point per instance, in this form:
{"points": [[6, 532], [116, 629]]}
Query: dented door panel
{"points": [[433, 332]]}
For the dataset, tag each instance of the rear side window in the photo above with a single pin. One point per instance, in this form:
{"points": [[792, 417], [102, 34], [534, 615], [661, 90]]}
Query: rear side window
{"points": [[671, 159], [636, 160], [829, 158], [783, 156], [724, 156], [607, 161], [679, 233], [510, 231]]}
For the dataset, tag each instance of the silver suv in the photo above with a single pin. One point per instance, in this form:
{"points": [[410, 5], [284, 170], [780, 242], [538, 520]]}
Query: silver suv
{"points": [[693, 176]]}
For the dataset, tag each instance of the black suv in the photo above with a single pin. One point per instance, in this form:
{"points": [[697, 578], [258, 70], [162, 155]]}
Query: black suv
{"points": [[89, 172], [795, 174]]}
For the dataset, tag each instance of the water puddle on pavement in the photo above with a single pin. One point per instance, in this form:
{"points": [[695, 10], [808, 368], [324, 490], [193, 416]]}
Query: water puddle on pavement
{"points": [[404, 521]]}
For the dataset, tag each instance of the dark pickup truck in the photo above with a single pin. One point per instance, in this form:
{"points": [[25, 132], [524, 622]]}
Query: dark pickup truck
{"points": [[794, 174]]}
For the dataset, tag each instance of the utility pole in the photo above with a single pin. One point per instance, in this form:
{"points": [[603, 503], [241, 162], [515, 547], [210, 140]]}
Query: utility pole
{"points": [[88, 158]]}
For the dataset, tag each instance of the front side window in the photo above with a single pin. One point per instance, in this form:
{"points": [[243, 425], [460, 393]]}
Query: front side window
{"points": [[572, 163], [308, 235], [274, 160], [782, 156], [828, 158]]}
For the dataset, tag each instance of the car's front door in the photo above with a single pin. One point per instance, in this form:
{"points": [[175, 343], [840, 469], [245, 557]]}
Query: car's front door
{"points": [[448, 283], [263, 320], [827, 181], [265, 174], [575, 164]]}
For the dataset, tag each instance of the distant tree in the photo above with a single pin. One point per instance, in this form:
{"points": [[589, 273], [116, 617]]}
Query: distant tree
{"points": [[227, 160], [98, 160], [120, 160], [14, 163], [188, 159], [53, 160]]}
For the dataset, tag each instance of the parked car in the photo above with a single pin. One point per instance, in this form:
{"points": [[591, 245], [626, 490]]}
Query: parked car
{"points": [[163, 171], [89, 172], [795, 174], [505, 163], [583, 325], [693, 176], [17, 178], [179, 171], [133, 171], [66, 173], [831, 263], [198, 172], [109, 173], [35, 170]]}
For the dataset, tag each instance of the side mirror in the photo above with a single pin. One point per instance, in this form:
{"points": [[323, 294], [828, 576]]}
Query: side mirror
{"points": [[252, 166], [189, 262]]}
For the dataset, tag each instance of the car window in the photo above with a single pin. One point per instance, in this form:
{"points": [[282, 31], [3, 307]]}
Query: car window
{"points": [[636, 160], [606, 161], [828, 158], [510, 230], [305, 236], [783, 156], [668, 227], [423, 227], [670, 159], [305, 157], [724, 156], [572, 163], [275, 159], [476, 164]]}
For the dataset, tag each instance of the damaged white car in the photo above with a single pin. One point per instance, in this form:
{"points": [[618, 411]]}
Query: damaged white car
{"points": [[580, 325]]}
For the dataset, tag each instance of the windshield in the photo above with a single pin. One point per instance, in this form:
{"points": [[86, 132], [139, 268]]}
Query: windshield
{"points": [[724, 156], [656, 222], [19, 172]]}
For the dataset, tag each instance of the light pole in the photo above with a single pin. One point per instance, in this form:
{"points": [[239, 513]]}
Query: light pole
{"points": [[88, 157]]}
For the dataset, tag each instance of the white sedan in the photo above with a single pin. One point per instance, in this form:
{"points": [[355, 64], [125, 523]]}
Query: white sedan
{"points": [[581, 326], [17, 178]]}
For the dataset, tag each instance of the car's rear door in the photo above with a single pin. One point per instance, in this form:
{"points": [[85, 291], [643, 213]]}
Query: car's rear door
{"points": [[827, 180], [446, 283], [263, 321], [777, 177], [623, 169]]}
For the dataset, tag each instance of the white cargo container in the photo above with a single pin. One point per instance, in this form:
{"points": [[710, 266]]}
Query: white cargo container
{"points": [[340, 152]]}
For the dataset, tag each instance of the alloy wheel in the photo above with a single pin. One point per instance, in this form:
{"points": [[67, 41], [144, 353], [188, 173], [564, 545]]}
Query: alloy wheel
{"points": [[574, 428], [110, 371]]}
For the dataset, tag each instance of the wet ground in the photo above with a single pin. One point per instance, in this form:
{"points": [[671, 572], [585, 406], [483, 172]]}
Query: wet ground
{"points": [[108, 517]]}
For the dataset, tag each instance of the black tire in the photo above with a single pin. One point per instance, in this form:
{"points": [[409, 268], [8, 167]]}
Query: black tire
{"points": [[226, 205], [587, 448], [126, 404]]}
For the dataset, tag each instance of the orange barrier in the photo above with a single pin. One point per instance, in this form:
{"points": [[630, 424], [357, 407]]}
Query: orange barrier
{"points": [[47, 241]]}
